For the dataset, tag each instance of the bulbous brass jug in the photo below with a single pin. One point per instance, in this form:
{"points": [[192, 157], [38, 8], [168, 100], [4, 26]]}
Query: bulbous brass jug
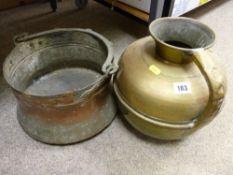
{"points": [[168, 84]]}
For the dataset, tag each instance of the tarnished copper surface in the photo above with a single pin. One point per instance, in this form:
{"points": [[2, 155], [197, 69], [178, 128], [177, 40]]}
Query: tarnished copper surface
{"points": [[68, 114], [61, 81]]}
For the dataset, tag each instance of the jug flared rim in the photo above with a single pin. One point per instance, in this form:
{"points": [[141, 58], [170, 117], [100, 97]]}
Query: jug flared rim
{"points": [[189, 20]]}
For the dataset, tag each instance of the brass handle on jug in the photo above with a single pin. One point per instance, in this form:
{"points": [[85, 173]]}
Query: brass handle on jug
{"points": [[215, 82]]}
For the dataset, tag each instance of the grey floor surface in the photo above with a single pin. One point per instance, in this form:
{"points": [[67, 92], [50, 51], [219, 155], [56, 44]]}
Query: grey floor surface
{"points": [[119, 150]]}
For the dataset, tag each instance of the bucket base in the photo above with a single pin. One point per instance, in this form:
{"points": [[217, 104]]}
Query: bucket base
{"points": [[55, 133]]}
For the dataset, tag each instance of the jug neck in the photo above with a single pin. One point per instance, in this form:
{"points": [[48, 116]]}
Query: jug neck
{"points": [[177, 39], [177, 55]]}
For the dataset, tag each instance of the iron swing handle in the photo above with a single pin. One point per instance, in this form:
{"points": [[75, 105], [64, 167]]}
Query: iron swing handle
{"points": [[108, 68]]}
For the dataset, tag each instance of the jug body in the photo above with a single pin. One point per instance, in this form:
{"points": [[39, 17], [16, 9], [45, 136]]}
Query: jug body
{"points": [[168, 85]]}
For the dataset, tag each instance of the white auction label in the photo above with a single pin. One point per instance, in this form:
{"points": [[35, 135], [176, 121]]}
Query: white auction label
{"points": [[182, 87]]}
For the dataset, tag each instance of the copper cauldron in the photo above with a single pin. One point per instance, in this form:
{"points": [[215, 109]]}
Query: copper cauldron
{"points": [[61, 81]]}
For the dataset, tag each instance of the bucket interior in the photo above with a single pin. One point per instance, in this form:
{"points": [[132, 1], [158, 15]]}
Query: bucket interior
{"points": [[56, 63]]}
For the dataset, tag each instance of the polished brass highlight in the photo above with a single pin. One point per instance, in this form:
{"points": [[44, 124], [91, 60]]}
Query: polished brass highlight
{"points": [[168, 84]]}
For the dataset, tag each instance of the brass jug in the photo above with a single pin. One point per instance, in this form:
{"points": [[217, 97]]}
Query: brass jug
{"points": [[168, 84]]}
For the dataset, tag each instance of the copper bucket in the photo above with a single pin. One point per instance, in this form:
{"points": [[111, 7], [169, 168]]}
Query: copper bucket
{"points": [[61, 79]]}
